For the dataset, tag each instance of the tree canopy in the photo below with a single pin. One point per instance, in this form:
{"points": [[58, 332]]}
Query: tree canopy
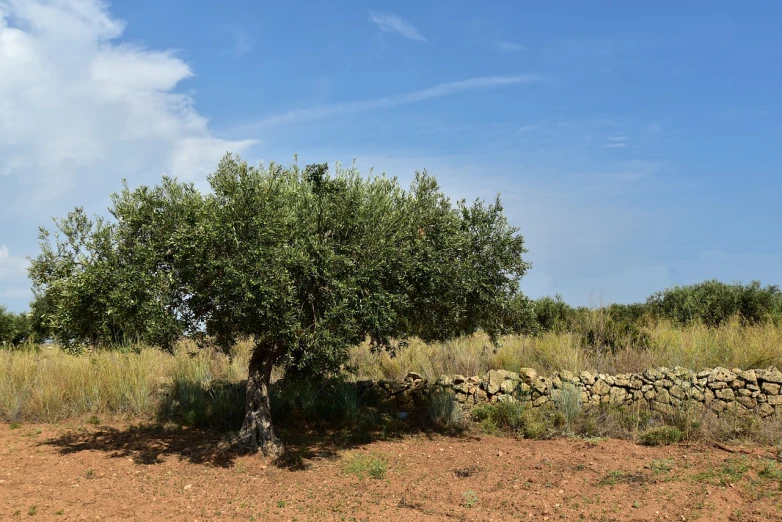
{"points": [[304, 263]]}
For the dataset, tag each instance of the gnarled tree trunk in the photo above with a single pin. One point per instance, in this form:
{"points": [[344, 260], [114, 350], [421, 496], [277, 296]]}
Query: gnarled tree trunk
{"points": [[257, 431]]}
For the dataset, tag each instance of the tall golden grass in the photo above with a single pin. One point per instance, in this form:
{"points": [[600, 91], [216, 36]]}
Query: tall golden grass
{"points": [[696, 347], [48, 385]]}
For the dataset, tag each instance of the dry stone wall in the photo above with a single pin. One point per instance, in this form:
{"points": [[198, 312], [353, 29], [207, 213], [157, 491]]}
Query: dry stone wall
{"points": [[663, 390]]}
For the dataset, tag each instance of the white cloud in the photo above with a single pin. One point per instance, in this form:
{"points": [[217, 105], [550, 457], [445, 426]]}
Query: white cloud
{"points": [[13, 275], [11, 267], [395, 24], [443, 89], [243, 43], [507, 47], [616, 145], [77, 105]]}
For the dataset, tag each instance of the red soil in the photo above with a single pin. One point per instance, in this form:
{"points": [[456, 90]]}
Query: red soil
{"points": [[56, 472]]}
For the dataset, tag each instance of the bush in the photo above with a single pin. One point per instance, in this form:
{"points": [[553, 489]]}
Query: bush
{"points": [[361, 465], [443, 410], [714, 303], [15, 329], [553, 314], [510, 416], [568, 402]]}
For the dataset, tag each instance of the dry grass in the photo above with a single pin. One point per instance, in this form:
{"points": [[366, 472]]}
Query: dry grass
{"points": [[696, 347], [49, 385]]}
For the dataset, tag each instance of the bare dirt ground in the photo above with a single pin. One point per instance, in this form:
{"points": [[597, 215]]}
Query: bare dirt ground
{"points": [[122, 472]]}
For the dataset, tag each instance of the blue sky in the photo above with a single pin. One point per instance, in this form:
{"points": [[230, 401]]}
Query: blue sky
{"points": [[635, 144]]}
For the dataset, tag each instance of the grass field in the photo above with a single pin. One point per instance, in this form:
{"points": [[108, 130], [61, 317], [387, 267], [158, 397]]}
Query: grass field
{"points": [[45, 384]]}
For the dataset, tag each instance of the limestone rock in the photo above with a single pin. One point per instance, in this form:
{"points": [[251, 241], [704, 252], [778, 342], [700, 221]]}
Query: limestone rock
{"points": [[493, 380], [770, 388], [770, 375], [748, 376], [725, 394], [662, 408], [528, 375], [720, 374], [540, 401], [509, 386], [617, 395], [676, 391], [587, 378], [444, 380], [747, 402], [774, 400], [601, 387], [413, 376]]}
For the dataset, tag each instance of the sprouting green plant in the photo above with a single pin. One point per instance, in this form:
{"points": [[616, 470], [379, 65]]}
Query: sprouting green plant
{"points": [[361, 465], [661, 465], [568, 401], [32, 511], [662, 436], [469, 498]]}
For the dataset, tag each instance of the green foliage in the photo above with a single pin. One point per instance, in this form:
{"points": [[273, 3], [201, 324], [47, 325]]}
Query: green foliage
{"points": [[305, 263], [662, 436], [15, 329], [512, 416], [469, 498], [443, 410], [520, 316], [101, 283], [568, 402], [713, 303], [361, 465], [553, 314]]}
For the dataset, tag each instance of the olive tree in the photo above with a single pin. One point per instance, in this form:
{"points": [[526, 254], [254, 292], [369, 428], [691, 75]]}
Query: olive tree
{"points": [[308, 264]]}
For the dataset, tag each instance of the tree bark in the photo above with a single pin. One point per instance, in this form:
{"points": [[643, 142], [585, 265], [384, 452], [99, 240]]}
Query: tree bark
{"points": [[257, 431]]}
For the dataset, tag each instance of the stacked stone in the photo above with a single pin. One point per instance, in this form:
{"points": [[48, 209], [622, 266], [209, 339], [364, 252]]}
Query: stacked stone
{"points": [[661, 389]]}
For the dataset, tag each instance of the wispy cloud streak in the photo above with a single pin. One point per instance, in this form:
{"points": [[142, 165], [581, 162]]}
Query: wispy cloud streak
{"points": [[508, 47], [438, 91], [394, 24]]}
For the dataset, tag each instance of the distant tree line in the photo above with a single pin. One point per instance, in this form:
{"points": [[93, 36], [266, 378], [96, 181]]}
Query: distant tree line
{"points": [[15, 329], [710, 303]]}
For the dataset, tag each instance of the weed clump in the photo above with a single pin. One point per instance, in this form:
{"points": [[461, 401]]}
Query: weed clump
{"points": [[444, 411], [361, 465], [662, 436]]}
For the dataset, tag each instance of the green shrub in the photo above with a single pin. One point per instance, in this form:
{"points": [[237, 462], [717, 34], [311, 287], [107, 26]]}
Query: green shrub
{"points": [[443, 410], [714, 303], [553, 314], [568, 402], [15, 329], [374, 465], [512, 416]]}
